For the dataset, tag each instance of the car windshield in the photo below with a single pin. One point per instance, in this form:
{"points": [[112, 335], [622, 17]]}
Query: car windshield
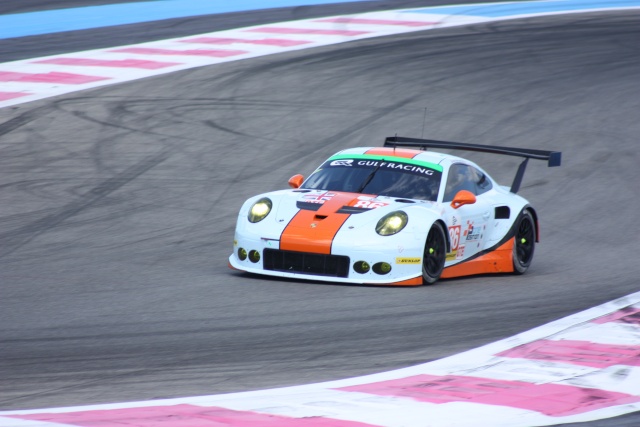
{"points": [[378, 177]]}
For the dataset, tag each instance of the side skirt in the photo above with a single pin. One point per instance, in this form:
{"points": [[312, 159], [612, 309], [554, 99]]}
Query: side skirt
{"points": [[499, 260]]}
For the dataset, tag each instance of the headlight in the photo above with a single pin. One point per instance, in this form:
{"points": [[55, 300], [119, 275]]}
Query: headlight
{"points": [[260, 210], [392, 223]]}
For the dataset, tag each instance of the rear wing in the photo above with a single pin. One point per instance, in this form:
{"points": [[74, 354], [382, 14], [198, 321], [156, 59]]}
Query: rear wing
{"points": [[553, 158]]}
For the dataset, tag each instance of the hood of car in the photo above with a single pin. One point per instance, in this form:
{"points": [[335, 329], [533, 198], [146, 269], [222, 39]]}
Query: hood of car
{"points": [[338, 202], [314, 217], [321, 203], [311, 220]]}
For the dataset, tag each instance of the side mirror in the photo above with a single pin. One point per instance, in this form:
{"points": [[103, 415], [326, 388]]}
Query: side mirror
{"points": [[463, 197], [296, 181]]}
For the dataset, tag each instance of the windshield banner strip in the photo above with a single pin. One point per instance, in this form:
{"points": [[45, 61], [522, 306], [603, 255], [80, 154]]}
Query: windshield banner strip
{"points": [[388, 159]]}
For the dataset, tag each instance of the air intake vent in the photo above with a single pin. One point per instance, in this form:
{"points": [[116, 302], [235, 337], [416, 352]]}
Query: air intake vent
{"points": [[503, 212], [306, 263]]}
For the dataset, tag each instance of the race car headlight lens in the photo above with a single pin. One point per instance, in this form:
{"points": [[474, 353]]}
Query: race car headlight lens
{"points": [[392, 223], [260, 210]]}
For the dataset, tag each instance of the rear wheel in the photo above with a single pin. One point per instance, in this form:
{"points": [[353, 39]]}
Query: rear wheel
{"points": [[435, 251], [525, 241]]}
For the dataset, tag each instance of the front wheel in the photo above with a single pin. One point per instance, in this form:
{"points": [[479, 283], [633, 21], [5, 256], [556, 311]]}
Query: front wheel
{"points": [[525, 241], [435, 251]]}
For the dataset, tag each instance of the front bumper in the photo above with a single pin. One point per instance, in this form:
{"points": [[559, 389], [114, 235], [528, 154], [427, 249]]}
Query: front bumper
{"points": [[405, 259]]}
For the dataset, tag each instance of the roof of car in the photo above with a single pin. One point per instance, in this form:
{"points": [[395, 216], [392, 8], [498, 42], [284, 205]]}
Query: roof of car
{"points": [[402, 153]]}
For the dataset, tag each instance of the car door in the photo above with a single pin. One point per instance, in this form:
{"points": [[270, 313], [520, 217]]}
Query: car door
{"points": [[467, 224]]}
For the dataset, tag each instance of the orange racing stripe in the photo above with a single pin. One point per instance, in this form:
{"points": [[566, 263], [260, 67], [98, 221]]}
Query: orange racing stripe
{"points": [[405, 153], [313, 231]]}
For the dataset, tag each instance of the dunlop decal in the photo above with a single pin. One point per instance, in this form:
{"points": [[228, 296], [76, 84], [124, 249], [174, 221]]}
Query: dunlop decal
{"points": [[408, 260]]}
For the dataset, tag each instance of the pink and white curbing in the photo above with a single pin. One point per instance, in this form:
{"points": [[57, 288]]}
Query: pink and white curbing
{"points": [[39, 78], [579, 368]]}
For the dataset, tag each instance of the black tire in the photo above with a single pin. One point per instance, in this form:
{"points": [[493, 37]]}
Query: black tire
{"points": [[435, 252], [525, 243]]}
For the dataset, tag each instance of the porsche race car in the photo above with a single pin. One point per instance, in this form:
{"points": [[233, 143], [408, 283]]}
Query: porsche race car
{"points": [[392, 215]]}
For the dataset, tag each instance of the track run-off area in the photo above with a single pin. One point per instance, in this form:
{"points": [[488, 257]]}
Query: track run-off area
{"points": [[123, 167]]}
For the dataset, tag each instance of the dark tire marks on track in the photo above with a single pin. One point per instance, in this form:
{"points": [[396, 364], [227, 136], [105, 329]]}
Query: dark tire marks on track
{"points": [[15, 239]]}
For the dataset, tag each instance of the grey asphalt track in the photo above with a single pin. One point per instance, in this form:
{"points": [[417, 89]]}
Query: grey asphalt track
{"points": [[117, 209]]}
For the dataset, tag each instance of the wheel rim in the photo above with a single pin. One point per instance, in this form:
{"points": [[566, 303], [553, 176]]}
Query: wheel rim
{"points": [[524, 241], [434, 253]]}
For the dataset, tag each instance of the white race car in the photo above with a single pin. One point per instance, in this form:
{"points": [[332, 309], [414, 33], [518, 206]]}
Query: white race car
{"points": [[391, 216]]}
